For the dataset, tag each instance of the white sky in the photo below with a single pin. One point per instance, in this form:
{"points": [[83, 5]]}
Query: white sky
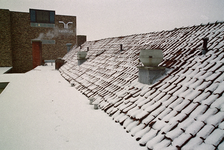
{"points": [[108, 18]]}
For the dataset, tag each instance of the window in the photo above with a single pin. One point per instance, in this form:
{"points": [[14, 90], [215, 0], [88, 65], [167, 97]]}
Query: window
{"points": [[42, 16]]}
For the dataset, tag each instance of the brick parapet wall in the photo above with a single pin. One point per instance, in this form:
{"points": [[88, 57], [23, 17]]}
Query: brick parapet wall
{"points": [[21, 42], [5, 39]]}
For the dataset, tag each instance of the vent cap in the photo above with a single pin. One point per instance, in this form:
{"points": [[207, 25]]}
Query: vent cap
{"points": [[151, 57], [81, 55]]}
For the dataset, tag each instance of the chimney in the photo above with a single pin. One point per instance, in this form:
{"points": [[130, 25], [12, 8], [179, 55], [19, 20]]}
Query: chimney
{"points": [[205, 43], [59, 62], [80, 40]]}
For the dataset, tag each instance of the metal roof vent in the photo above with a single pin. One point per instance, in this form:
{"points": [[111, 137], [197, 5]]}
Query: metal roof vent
{"points": [[150, 72], [68, 46], [81, 56], [151, 57]]}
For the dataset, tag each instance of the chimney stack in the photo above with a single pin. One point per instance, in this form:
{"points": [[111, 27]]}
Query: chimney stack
{"points": [[80, 40]]}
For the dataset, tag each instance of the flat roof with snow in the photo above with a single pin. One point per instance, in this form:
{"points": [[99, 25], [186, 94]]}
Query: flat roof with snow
{"points": [[40, 110]]}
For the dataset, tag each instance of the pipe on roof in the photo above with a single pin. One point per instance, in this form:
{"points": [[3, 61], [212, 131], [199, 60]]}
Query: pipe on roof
{"points": [[205, 43]]}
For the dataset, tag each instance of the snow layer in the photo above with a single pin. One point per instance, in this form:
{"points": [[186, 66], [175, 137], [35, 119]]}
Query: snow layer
{"points": [[40, 110], [4, 69]]}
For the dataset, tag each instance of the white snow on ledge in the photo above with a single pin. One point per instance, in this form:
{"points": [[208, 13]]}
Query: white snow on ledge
{"points": [[40, 110], [4, 69]]}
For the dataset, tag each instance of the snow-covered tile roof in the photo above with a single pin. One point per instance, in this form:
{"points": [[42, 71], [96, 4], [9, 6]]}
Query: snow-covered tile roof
{"points": [[184, 109]]}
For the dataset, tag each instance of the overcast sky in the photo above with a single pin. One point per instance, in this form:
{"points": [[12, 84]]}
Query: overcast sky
{"points": [[108, 18]]}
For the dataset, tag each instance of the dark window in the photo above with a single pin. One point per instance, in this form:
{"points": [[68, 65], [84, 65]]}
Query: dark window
{"points": [[32, 16], [52, 13], [41, 16]]}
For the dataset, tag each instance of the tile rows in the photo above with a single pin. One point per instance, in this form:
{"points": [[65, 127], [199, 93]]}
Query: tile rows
{"points": [[183, 110]]}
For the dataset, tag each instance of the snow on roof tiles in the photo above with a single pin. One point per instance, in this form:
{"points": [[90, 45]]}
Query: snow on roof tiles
{"points": [[183, 110]]}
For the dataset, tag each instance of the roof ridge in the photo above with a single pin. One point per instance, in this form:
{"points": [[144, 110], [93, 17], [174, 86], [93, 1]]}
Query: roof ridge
{"points": [[178, 28]]}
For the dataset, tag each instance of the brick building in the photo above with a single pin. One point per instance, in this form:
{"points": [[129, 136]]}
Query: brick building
{"points": [[18, 31]]}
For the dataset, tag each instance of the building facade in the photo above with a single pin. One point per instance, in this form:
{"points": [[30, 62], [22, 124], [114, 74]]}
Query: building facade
{"points": [[18, 30]]}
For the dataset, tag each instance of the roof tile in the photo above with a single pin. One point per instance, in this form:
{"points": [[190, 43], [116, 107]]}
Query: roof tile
{"points": [[208, 113], [183, 125], [221, 125], [158, 111], [218, 102], [164, 143], [204, 85], [201, 97], [208, 101], [216, 119], [138, 135], [205, 131], [193, 95], [174, 133], [212, 88], [221, 146], [148, 136], [164, 113], [204, 147], [220, 88], [137, 129], [150, 144], [168, 127], [131, 126], [194, 128], [192, 143], [182, 105], [181, 140], [215, 137], [176, 102], [212, 76], [190, 108]]}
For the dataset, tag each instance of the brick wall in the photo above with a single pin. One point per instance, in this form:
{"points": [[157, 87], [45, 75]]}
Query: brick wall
{"points": [[21, 42], [5, 39], [22, 33]]}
